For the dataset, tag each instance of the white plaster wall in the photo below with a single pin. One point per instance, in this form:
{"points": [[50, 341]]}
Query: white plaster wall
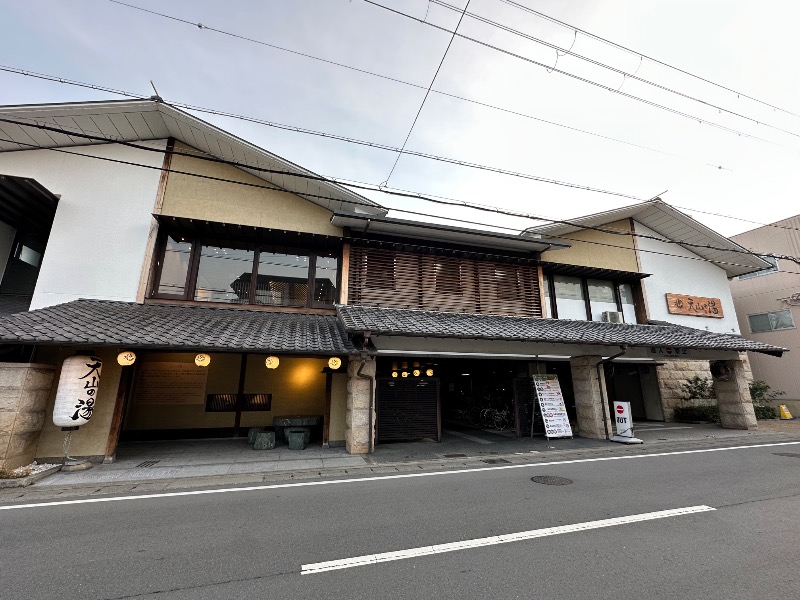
{"points": [[100, 231], [7, 233], [676, 275]]}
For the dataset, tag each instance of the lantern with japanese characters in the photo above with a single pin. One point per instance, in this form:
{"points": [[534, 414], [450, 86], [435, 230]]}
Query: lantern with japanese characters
{"points": [[77, 391]]}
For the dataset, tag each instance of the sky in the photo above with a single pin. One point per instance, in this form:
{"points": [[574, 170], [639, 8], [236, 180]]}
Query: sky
{"points": [[749, 173]]}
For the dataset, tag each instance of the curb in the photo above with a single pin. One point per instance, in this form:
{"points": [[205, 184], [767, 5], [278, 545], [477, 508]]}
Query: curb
{"points": [[28, 480]]}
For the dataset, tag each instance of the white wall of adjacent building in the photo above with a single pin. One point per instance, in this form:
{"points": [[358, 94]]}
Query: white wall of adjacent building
{"points": [[674, 272], [100, 231]]}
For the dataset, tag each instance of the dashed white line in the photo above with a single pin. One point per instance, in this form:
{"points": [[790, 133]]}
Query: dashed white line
{"points": [[373, 559]]}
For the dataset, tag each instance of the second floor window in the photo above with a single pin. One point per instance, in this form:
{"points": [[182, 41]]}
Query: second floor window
{"points": [[241, 274], [585, 299]]}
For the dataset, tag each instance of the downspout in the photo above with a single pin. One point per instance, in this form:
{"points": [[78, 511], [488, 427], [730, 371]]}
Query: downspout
{"points": [[364, 354], [606, 416]]}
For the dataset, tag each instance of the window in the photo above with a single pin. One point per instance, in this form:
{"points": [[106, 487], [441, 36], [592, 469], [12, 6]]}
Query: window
{"points": [[587, 299], [773, 269], [570, 301], [771, 321], [235, 274], [447, 274], [29, 255]]}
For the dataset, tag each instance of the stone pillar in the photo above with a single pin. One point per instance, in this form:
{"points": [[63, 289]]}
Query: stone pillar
{"points": [[733, 395], [589, 397], [24, 390], [360, 397]]}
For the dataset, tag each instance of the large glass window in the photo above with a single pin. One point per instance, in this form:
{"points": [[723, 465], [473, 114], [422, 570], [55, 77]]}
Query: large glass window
{"points": [[175, 266], [325, 278], [628, 304], [237, 274], [601, 298], [282, 279], [224, 275], [570, 301]]}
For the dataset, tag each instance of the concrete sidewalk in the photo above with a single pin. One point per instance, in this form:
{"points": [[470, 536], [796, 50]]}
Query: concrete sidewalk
{"points": [[155, 466]]}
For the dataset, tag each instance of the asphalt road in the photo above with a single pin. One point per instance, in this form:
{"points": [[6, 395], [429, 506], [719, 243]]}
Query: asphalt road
{"points": [[256, 543]]}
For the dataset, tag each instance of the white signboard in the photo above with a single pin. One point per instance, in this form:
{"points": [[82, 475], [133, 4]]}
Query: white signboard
{"points": [[551, 404], [622, 419]]}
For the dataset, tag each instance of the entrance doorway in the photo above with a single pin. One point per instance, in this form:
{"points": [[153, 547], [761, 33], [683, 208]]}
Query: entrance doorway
{"points": [[637, 384]]}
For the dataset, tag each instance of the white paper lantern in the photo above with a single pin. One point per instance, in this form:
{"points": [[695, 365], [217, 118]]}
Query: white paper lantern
{"points": [[126, 359], [202, 360], [77, 391], [272, 362], [334, 362]]}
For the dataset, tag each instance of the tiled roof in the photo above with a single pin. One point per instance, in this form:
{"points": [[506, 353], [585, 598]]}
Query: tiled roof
{"points": [[130, 325], [405, 322]]}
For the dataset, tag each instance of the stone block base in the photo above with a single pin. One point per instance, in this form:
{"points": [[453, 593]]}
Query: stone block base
{"points": [[263, 440]]}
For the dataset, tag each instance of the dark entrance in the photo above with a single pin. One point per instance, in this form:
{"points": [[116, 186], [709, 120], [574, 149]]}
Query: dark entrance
{"points": [[637, 384], [408, 409]]}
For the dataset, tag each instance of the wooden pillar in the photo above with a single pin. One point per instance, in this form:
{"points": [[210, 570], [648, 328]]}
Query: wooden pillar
{"points": [[123, 391], [326, 424]]}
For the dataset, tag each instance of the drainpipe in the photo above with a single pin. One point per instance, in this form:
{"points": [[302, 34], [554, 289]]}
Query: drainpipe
{"points": [[364, 355], [606, 416]]}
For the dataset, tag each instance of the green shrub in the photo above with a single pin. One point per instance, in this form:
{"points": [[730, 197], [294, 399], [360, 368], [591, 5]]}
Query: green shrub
{"points": [[690, 414], [765, 412], [698, 387], [760, 392]]}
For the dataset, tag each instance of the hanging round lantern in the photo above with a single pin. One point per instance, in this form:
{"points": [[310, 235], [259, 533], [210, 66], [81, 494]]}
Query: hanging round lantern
{"points": [[404, 373], [394, 373], [202, 360], [334, 362], [416, 372], [126, 359], [77, 391], [429, 372], [272, 362]]}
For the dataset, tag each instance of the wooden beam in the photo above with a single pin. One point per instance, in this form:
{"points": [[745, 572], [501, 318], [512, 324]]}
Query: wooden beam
{"points": [[326, 423], [125, 379], [344, 286]]}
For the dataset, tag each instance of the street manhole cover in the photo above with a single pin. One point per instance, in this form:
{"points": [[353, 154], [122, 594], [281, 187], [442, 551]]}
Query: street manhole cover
{"points": [[792, 454], [551, 480], [454, 455], [496, 461], [147, 463]]}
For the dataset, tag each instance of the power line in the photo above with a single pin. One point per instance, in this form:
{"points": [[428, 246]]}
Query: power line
{"points": [[372, 188], [381, 146], [553, 69], [597, 63], [427, 93], [383, 190], [204, 27], [644, 56]]}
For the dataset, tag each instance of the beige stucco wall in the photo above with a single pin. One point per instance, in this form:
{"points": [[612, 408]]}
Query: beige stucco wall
{"points": [[198, 198], [91, 439], [297, 387], [586, 253], [338, 409]]}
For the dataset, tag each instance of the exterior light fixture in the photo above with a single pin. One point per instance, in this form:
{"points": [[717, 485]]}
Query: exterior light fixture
{"points": [[202, 360], [429, 372], [272, 362], [416, 372], [404, 373], [334, 362], [77, 391], [394, 373], [126, 359]]}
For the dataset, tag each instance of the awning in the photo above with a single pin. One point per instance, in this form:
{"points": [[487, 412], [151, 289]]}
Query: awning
{"points": [[418, 323], [99, 323]]}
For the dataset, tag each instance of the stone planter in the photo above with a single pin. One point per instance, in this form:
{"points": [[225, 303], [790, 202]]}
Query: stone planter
{"points": [[298, 437]]}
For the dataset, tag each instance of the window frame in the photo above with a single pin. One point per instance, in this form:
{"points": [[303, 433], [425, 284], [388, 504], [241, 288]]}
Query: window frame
{"points": [[553, 307], [769, 320], [198, 242]]}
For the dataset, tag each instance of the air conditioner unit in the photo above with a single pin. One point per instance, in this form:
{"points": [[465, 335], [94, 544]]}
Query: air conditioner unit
{"points": [[612, 317]]}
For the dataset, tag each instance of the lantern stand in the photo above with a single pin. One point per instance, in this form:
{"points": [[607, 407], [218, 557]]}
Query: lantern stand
{"points": [[69, 463]]}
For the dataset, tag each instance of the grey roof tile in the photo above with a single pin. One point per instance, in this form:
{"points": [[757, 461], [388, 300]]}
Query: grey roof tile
{"points": [[161, 326], [408, 322]]}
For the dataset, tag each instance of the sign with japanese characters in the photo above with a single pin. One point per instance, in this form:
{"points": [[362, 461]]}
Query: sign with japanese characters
{"points": [[170, 383], [696, 306], [77, 391], [552, 407], [670, 352]]}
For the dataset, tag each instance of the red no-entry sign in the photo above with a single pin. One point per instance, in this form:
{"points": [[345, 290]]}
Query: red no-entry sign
{"points": [[620, 409]]}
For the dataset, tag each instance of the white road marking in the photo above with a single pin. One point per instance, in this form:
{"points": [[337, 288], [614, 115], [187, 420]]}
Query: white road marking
{"points": [[372, 559], [471, 438], [659, 429], [278, 486]]}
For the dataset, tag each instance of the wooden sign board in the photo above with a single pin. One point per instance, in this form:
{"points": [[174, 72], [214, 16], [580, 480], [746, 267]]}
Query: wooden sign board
{"points": [[170, 383], [695, 306]]}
